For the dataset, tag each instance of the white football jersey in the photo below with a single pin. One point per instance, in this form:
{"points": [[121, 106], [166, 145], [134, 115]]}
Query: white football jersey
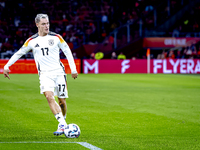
{"points": [[46, 50]]}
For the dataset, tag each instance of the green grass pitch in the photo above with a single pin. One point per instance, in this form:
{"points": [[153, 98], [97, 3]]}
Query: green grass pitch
{"points": [[113, 111]]}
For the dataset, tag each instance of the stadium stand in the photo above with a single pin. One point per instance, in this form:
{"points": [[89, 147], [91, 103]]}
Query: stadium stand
{"points": [[93, 22]]}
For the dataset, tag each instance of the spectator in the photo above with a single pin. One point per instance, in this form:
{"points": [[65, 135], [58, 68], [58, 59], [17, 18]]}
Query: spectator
{"points": [[113, 55], [72, 38], [196, 27], [171, 54], [188, 52], [16, 45], [178, 56], [163, 55], [198, 53], [194, 50], [175, 33], [99, 55], [74, 55], [0, 44], [104, 21], [6, 46], [121, 56], [103, 35], [133, 58], [148, 8], [184, 52], [92, 56]]}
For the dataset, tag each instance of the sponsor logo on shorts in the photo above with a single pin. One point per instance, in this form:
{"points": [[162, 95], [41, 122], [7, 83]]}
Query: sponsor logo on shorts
{"points": [[62, 94]]}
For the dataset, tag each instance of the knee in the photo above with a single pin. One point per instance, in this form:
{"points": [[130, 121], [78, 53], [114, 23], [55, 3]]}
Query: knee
{"points": [[49, 97]]}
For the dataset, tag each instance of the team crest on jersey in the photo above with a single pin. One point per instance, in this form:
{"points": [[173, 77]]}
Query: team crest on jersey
{"points": [[51, 42]]}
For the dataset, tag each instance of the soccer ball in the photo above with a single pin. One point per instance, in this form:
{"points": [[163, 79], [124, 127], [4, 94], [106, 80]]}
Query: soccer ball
{"points": [[72, 131]]}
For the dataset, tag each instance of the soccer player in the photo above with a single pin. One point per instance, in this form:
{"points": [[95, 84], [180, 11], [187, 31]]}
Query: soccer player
{"points": [[45, 46]]}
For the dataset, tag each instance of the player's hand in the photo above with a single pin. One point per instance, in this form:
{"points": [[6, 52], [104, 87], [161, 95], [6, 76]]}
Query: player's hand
{"points": [[6, 73], [74, 75]]}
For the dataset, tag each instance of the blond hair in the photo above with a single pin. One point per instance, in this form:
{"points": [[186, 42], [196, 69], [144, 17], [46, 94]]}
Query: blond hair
{"points": [[39, 16]]}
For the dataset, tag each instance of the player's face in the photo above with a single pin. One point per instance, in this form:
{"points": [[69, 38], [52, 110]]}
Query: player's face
{"points": [[43, 26]]}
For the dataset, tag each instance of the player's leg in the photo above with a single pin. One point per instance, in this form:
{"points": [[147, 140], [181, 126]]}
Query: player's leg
{"points": [[63, 106], [47, 85], [62, 93], [52, 103], [56, 110]]}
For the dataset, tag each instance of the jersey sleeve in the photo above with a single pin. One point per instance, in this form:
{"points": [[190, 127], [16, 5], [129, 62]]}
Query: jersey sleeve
{"points": [[22, 51], [66, 50]]}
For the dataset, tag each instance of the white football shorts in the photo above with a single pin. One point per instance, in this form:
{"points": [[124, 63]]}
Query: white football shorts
{"points": [[54, 83]]}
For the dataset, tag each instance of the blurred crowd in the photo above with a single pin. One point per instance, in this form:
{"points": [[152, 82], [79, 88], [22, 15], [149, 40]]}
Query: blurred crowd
{"points": [[78, 21], [188, 52], [189, 25]]}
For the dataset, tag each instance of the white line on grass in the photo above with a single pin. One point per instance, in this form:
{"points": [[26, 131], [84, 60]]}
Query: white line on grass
{"points": [[90, 146], [84, 144]]}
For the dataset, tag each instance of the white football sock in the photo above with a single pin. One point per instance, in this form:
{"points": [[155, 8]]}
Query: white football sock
{"points": [[64, 117], [60, 118]]}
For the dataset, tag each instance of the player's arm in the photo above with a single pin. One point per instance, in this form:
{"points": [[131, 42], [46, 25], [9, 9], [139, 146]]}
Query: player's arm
{"points": [[22, 51], [66, 50]]}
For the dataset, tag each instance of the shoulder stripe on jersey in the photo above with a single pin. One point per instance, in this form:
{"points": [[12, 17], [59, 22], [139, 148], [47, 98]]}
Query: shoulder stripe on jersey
{"points": [[26, 43], [32, 37], [54, 34], [60, 38]]}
